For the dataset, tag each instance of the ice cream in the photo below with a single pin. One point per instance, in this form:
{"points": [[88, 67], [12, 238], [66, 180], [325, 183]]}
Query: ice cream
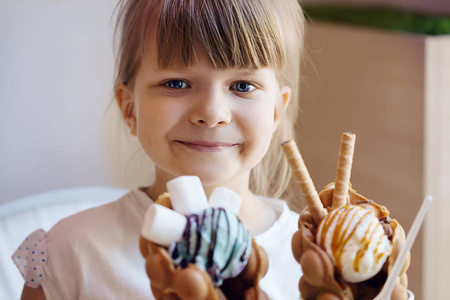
{"points": [[216, 241], [355, 240], [204, 252], [346, 244]]}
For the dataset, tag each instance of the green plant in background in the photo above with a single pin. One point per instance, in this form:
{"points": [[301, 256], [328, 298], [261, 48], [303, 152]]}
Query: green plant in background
{"points": [[380, 17]]}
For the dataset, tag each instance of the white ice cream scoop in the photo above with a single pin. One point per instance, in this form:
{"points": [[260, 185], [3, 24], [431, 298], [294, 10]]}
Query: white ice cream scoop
{"points": [[355, 240]]}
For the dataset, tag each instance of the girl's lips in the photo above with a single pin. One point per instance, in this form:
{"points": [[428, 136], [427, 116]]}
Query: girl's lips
{"points": [[202, 146]]}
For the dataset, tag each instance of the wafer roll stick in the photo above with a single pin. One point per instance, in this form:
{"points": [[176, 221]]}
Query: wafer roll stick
{"points": [[304, 180], [344, 169]]}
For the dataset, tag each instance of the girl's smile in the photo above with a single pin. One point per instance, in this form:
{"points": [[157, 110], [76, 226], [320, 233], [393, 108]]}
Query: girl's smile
{"points": [[205, 146]]}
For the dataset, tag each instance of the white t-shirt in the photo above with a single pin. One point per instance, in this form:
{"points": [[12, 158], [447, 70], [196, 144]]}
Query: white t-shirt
{"points": [[95, 254]]}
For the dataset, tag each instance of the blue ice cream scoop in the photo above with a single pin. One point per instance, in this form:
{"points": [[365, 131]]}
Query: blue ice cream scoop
{"points": [[216, 242]]}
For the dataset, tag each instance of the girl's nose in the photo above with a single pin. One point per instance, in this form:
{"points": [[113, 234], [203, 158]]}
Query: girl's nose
{"points": [[212, 109]]}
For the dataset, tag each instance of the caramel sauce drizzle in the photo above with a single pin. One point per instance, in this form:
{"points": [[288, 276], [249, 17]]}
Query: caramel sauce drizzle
{"points": [[368, 235]]}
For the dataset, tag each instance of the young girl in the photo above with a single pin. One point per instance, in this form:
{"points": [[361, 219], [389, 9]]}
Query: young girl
{"points": [[205, 86]]}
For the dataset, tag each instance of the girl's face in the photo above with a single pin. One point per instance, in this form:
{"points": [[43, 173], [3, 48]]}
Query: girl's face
{"points": [[213, 123]]}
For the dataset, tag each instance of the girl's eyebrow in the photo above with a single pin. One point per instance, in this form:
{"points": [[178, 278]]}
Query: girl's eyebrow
{"points": [[250, 72], [174, 72], [172, 69], [245, 71], [187, 71]]}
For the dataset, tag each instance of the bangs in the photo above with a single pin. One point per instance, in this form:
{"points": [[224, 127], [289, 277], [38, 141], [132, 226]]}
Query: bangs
{"points": [[232, 33]]}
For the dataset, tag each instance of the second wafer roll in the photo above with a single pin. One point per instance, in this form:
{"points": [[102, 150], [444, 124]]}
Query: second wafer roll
{"points": [[344, 169]]}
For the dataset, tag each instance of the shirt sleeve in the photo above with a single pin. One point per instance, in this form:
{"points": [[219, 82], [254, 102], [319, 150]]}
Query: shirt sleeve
{"points": [[31, 257]]}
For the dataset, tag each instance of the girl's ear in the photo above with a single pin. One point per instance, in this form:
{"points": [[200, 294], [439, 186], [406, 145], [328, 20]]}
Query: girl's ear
{"points": [[125, 101], [280, 107]]}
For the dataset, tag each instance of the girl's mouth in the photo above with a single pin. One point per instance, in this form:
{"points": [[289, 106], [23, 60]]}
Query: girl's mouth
{"points": [[203, 146]]}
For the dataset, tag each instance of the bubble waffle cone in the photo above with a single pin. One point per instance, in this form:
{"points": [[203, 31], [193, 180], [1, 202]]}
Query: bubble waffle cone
{"points": [[321, 279], [171, 282]]}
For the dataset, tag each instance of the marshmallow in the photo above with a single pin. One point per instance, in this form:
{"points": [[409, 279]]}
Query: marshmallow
{"points": [[187, 195], [225, 198], [162, 225]]}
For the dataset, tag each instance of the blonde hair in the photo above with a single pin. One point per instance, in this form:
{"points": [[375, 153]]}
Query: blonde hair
{"points": [[235, 34]]}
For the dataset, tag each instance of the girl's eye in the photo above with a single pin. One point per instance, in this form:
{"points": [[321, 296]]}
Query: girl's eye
{"points": [[176, 84], [243, 87]]}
